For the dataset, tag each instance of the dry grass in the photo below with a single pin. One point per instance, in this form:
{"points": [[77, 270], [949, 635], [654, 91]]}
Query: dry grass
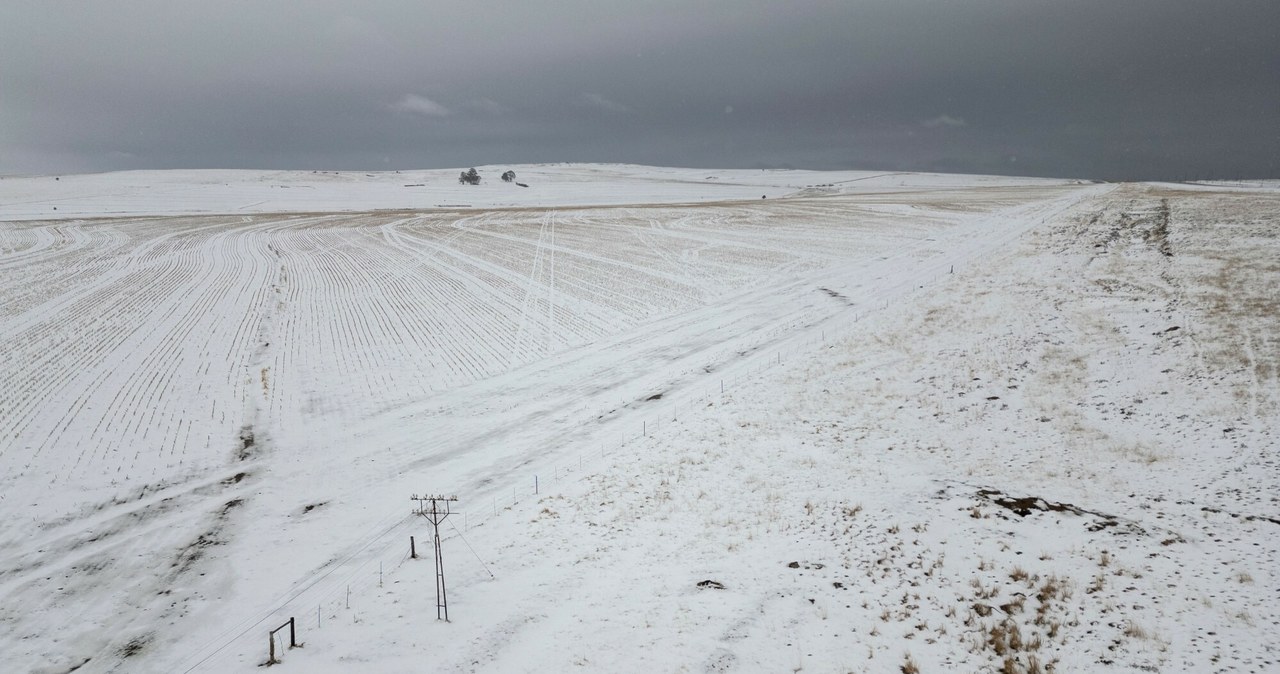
{"points": [[1005, 637], [1136, 631]]}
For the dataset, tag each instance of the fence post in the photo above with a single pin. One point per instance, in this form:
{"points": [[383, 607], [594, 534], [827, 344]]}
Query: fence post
{"points": [[413, 549], [293, 639]]}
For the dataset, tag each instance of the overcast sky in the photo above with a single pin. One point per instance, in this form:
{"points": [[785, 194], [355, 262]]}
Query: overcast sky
{"points": [[1114, 89]]}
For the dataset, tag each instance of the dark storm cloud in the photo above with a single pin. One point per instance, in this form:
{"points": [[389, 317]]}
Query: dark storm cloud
{"points": [[1115, 89]]}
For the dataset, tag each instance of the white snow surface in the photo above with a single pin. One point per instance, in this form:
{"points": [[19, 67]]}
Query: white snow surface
{"points": [[871, 423], [194, 192]]}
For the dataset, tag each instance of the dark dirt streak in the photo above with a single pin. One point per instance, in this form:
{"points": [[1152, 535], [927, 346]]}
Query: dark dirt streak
{"points": [[82, 664], [245, 452], [135, 646], [194, 551], [835, 295], [1247, 518], [1023, 506]]}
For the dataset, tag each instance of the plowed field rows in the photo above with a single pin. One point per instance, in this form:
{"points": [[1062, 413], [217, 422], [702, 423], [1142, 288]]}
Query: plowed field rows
{"points": [[137, 349]]}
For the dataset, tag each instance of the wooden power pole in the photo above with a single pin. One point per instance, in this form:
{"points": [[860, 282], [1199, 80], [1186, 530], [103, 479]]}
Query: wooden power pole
{"points": [[436, 513]]}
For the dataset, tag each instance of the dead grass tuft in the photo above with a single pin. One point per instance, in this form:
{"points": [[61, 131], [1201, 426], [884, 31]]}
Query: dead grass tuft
{"points": [[1136, 631]]}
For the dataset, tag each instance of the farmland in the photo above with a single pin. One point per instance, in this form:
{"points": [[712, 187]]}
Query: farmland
{"points": [[210, 420]]}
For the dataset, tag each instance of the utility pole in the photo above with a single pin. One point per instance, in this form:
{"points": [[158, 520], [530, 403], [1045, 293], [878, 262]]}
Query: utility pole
{"points": [[439, 510]]}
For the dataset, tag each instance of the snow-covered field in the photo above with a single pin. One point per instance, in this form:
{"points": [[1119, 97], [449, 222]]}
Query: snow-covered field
{"points": [[543, 185], [964, 422]]}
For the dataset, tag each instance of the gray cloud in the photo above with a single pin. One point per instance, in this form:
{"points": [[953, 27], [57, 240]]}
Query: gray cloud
{"points": [[1092, 88], [601, 103], [487, 106], [943, 121], [420, 105]]}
